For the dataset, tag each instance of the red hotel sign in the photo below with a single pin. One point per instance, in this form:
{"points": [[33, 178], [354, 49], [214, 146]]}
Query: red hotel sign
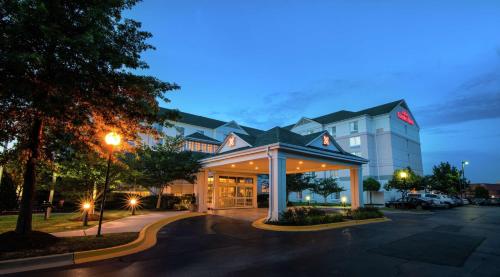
{"points": [[403, 115]]}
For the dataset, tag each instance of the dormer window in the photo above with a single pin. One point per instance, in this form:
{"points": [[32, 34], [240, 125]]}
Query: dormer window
{"points": [[326, 140]]}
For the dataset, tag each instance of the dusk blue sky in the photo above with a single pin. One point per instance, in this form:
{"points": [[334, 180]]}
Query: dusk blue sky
{"points": [[267, 63]]}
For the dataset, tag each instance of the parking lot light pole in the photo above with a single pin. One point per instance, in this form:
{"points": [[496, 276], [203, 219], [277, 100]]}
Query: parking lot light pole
{"points": [[464, 163], [112, 139]]}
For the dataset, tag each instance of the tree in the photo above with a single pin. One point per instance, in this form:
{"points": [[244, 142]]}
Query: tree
{"points": [[404, 180], [481, 192], [370, 184], [68, 68], [297, 183], [445, 179], [326, 187], [164, 163]]}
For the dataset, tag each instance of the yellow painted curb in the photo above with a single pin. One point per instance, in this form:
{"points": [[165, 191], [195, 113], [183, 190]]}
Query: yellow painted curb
{"points": [[260, 224], [146, 239]]}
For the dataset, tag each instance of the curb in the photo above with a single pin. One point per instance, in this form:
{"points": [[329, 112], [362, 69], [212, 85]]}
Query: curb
{"points": [[259, 224], [145, 240]]}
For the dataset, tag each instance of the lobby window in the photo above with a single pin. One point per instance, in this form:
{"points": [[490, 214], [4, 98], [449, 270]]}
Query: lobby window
{"points": [[333, 131], [353, 127], [355, 141]]}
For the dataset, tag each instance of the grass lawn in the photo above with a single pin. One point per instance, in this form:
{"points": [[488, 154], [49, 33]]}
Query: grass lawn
{"points": [[73, 244], [59, 222]]}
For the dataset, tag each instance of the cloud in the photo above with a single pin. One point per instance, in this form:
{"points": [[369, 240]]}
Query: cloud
{"points": [[475, 99], [278, 108]]}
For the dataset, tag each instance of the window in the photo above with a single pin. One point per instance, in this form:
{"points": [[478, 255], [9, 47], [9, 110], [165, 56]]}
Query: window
{"points": [[357, 154], [200, 131], [333, 131], [353, 127], [355, 141], [180, 131]]}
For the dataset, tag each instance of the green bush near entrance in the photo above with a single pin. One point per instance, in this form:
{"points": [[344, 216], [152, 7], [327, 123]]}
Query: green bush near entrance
{"points": [[366, 213], [307, 216]]}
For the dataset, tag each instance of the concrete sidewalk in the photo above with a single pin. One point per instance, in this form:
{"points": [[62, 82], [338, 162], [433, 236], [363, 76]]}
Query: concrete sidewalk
{"points": [[122, 225]]}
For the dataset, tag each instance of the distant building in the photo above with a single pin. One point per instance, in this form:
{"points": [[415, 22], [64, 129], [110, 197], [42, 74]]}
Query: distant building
{"points": [[387, 136], [493, 189]]}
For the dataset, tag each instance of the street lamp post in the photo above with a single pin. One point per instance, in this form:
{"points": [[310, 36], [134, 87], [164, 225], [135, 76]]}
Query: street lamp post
{"points": [[112, 139], [464, 163]]}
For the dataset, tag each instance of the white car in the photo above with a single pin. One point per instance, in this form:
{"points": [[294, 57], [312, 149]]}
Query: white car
{"points": [[436, 199]]}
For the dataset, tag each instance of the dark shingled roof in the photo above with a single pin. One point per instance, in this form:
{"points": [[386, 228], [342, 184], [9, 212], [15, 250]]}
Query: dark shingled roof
{"points": [[210, 123], [343, 114], [197, 136], [282, 135]]}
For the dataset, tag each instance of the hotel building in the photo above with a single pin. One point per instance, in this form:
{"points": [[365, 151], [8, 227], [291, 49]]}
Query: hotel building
{"points": [[378, 140]]}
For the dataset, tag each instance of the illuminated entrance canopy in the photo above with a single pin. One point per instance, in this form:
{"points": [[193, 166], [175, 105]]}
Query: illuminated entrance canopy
{"points": [[405, 116]]}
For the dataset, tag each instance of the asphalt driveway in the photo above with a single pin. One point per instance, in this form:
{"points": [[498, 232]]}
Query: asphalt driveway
{"points": [[459, 242]]}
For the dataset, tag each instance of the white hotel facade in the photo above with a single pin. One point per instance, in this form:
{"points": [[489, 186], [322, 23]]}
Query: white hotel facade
{"points": [[386, 137]]}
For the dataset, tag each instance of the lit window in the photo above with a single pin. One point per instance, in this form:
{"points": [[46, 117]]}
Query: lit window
{"points": [[354, 141], [209, 148], [353, 126]]}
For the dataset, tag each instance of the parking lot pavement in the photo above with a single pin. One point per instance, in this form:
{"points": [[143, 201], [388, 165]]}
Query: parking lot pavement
{"points": [[463, 241]]}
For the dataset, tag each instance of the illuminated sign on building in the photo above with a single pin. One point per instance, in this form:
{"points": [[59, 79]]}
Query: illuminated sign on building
{"points": [[326, 140], [231, 141], [405, 116]]}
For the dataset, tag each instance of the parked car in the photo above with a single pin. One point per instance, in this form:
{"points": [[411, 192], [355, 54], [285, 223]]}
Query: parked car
{"points": [[458, 201], [465, 201], [409, 203], [437, 201]]}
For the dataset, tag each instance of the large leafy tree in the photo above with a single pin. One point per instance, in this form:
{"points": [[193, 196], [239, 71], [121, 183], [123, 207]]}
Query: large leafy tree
{"points": [[370, 184], [481, 192], [68, 68], [297, 182], [445, 179], [326, 187], [158, 166], [404, 180]]}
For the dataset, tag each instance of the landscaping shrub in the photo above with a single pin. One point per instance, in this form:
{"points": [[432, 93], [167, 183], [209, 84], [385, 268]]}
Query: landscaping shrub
{"points": [[366, 213], [307, 216]]}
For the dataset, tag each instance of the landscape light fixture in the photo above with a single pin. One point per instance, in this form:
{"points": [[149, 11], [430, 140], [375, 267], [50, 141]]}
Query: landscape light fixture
{"points": [[86, 207], [112, 139]]}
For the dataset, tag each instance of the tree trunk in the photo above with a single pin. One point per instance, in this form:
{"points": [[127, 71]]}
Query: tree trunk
{"points": [[24, 219], [158, 202], [94, 196], [371, 198], [51, 194], [325, 197]]}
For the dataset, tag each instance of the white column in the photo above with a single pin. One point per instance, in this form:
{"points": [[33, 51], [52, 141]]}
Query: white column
{"points": [[201, 187], [277, 185], [356, 176]]}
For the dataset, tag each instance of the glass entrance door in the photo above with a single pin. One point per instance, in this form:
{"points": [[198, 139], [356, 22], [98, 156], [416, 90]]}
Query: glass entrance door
{"points": [[235, 192]]}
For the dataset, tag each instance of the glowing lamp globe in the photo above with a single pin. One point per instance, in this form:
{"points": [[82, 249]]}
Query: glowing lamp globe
{"points": [[343, 199], [133, 201], [86, 206], [403, 174], [112, 138]]}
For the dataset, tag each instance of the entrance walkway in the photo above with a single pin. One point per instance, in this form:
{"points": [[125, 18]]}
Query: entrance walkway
{"points": [[241, 214], [127, 224]]}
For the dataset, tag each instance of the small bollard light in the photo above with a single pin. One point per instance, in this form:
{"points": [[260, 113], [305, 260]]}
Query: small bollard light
{"points": [[86, 207], [308, 199], [133, 204], [343, 199]]}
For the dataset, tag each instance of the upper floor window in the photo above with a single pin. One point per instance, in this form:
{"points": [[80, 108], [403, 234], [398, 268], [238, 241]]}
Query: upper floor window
{"points": [[353, 127], [180, 131], [355, 141], [359, 154], [333, 131]]}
